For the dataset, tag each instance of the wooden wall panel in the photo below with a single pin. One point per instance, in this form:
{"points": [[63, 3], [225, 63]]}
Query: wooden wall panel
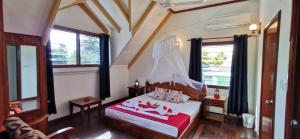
{"points": [[3, 73]]}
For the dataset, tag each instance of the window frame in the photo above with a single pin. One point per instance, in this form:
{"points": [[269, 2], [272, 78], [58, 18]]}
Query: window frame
{"points": [[214, 43], [77, 32]]}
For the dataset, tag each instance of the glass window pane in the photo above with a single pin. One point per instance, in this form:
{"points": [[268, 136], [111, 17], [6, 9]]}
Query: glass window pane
{"points": [[216, 64], [89, 49], [63, 47]]}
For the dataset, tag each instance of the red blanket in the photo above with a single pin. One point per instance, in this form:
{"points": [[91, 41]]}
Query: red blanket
{"points": [[180, 121]]}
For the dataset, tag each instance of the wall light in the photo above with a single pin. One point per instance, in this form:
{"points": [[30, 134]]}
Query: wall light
{"points": [[179, 43], [255, 28]]}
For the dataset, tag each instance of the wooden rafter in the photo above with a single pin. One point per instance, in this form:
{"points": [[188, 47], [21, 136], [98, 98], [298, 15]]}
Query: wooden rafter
{"points": [[49, 23], [122, 10], [74, 3], [129, 14], [107, 16], [146, 44], [143, 17], [100, 24]]}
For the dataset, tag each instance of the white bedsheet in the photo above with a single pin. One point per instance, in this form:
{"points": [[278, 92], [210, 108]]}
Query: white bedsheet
{"points": [[190, 108]]}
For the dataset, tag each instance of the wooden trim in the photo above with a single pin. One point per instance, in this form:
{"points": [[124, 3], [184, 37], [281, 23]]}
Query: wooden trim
{"points": [[143, 17], [21, 39], [78, 62], [208, 6], [62, 28], [292, 97], [75, 66], [50, 21], [122, 10], [218, 87], [195, 94], [99, 23], [3, 73], [107, 16], [129, 14], [31, 98], [207, 44], [146, 44], [275, 19], [19, 74], [74, 3]]}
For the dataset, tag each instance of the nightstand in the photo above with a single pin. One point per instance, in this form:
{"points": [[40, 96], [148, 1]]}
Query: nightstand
{"points": [[220, 103], [136, 91]]}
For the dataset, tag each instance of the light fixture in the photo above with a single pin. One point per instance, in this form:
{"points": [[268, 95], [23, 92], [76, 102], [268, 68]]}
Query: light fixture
{"points": [[255, 28], [136, 84]]}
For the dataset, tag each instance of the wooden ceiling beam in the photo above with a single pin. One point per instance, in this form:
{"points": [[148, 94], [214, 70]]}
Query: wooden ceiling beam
{"points": [[50, 20], [149, 40], [122, 10], [107, 16], [100, 24], [143, 17], [74, 3], [129, 14]]}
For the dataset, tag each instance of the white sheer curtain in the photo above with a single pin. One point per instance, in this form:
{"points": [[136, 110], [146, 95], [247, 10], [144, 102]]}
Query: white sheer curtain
{"points": [[168, 63]]}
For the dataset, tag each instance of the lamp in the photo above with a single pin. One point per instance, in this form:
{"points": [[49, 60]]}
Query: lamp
{"points": [[255, 27], [136, 84]]}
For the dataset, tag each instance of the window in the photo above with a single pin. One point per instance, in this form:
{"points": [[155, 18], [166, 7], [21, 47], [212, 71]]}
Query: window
{"points": [[70, 47], [216, 64]]}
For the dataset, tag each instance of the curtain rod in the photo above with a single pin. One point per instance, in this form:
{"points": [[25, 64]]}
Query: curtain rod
{"points": [[223, 37]]}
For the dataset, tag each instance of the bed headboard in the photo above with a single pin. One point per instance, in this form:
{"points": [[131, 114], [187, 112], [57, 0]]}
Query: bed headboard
{"points": [[195, 94]]}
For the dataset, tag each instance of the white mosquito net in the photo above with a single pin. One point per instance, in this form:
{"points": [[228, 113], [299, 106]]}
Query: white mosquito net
{"points": [[168, 64]]}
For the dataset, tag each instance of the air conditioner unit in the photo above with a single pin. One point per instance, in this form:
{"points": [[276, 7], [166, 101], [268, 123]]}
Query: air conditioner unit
{"points": [[225, 26]]}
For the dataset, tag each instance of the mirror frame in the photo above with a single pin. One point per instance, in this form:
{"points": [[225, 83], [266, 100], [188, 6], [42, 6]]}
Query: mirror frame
{"points": [[21, 39]]}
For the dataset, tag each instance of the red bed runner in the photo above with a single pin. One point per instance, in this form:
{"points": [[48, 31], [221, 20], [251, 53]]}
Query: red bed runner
{"points": [[180, 121]]}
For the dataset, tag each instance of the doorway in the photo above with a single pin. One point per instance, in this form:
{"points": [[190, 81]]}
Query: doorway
{"points": [[268, 80]]}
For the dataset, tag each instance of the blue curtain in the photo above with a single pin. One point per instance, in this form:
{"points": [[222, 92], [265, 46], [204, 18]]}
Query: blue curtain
{"points": [[104, 67], [50, 81], [238, 95], [195, 68]]}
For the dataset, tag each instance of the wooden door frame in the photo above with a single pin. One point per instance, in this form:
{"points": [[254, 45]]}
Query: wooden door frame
{"points": [[275, 19], [294, 53], [3, 72]]}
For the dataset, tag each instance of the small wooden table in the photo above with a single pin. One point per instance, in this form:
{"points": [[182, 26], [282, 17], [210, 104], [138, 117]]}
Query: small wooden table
{"points": [[136, 91], [83, 103], [211, 101]]}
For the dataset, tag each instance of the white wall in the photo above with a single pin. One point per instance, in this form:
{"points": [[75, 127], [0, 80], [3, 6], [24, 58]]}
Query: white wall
{"points": [[268, 11], [193, 24], [75, 83]]}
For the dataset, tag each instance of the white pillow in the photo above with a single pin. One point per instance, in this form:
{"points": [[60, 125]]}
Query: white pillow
{"points": [[151, 94], [184, 98]]}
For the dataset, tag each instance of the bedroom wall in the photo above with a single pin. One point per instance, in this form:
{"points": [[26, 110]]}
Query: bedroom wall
{"points": [[193, 24], [268, 10], [73, 83]]}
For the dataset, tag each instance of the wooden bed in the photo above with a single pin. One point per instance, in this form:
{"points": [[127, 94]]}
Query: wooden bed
{"points": [[141, 132]]}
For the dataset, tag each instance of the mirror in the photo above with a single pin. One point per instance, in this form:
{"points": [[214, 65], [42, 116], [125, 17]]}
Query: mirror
{"points": [[22, 78]]}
